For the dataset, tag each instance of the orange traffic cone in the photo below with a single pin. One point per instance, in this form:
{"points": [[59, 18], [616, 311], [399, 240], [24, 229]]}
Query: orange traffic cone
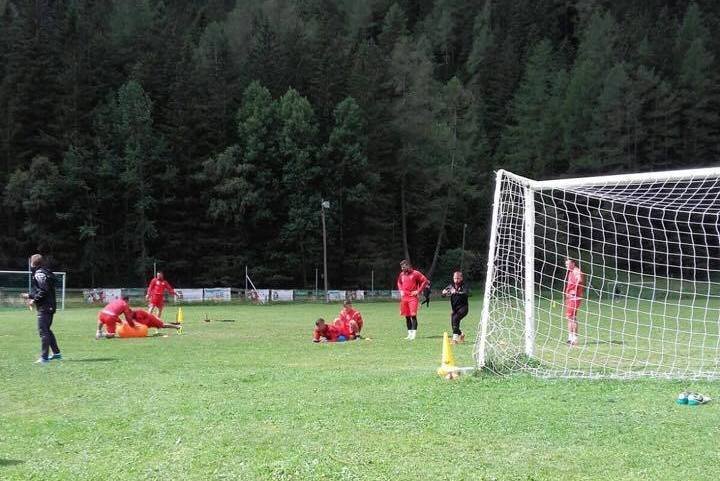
{"points": [[447, 365]]}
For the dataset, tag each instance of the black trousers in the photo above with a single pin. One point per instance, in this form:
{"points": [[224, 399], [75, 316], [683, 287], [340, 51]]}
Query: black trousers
{"points": [[456, 317], [47, 338]]}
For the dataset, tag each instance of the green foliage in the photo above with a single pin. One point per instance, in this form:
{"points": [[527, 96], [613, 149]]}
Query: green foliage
{"points": [[243, 122]]}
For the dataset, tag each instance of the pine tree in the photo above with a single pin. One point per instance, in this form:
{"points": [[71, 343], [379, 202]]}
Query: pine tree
{"points": [[301, 180], [594, 58], [531, 143]]}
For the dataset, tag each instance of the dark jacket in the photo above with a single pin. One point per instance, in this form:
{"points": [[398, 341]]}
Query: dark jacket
{"points": [[42, 289], [458, 300]]}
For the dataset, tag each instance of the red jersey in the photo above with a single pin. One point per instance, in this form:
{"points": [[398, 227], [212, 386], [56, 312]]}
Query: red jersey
{"points": [[347, 315], [118, 307], [150, 320], [346, 327], [574, 284], [158, 287], [411, 281], [329, 332]]}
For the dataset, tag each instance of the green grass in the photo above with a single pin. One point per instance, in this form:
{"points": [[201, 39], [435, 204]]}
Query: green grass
{"points": [[255, 400]]}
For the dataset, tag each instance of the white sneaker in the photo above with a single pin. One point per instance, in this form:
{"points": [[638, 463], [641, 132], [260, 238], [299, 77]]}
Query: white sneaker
{"points": [[412, 335], [409, 336]]}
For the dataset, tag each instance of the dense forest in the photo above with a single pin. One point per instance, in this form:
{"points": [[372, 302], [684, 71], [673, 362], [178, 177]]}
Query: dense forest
{"points": [[204, 134]]}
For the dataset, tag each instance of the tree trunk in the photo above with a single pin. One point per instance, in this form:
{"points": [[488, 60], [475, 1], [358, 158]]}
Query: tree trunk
{"points": [[403, 216], [441, 232]]}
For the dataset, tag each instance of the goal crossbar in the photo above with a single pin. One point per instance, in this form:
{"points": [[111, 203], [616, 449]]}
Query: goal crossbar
{"points": [[61, 274], [619, 179]]}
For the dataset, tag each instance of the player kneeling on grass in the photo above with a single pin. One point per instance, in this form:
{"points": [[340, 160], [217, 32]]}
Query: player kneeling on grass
{"points": [[109, 317], [150, 320]]}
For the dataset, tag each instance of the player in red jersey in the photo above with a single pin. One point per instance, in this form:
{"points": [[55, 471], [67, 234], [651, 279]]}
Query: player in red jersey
{"points": [[410, 283], [156, 293], [151, 320], [325, 332], [350, 318], [109, 317], [574, 284]]}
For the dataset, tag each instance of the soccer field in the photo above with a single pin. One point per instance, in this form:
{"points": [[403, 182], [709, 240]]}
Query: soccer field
{"points": [[254, 399]]}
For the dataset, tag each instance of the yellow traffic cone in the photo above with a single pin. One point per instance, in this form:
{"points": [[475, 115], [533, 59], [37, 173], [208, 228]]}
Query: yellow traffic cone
{"points": [[179, 318], [448, 360]]}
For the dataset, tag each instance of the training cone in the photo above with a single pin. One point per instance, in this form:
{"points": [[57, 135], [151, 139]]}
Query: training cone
{"points": [[448, 360], [180, 318]]}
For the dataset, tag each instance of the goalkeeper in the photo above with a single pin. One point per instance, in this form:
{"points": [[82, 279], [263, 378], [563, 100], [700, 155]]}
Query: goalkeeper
{"points": [[458, 293], [573, 298]]}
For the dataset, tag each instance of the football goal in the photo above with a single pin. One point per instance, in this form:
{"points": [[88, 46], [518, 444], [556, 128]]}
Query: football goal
{"points": [[648, 247], [14, 283]]}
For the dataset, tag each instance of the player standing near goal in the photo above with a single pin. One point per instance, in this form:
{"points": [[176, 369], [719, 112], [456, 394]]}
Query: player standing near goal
{"points": [[42, 296], [458, 293], [573, 298], [156, 293], [410, 283]]}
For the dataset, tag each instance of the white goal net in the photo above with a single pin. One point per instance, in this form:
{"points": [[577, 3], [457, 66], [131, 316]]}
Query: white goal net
{"points": [[14, 283], [648, 246]]}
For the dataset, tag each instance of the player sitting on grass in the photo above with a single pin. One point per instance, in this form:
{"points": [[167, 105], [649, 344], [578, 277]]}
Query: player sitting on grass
{"points": [[350, 319], [150, 320], [109, 317]]}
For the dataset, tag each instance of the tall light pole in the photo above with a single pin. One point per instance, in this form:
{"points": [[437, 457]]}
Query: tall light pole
{"points": [[324, 205], [462, 251]]}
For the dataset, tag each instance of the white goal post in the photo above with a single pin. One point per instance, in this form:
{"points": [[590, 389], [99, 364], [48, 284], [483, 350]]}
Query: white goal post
{"points": [[14, 283], [648, 246]]}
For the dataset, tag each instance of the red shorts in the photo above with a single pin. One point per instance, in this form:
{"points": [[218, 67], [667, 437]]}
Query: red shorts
{"points": [[571, 308], [109, 321], [157, 301], [408, 306]]}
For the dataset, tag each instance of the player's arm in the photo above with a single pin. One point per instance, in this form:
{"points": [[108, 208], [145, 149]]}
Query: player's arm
{"points": [[129, 316], [41, 291], [421, 282], [462, 290], [170, 289], [150, 288], [447, 290], [399, 284]]}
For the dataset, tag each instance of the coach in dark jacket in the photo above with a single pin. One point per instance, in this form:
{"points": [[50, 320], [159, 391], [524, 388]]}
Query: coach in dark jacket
{"points": [[42, 296]]}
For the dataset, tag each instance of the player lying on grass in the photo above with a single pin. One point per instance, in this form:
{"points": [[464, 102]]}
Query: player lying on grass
{"points": [[109, 317], [339, 331], [151, 320]]}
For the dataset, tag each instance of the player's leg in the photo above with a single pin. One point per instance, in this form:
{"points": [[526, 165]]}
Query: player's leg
{"points": [[405, 312], [53, 341], [413, 308], [44, 320]]}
